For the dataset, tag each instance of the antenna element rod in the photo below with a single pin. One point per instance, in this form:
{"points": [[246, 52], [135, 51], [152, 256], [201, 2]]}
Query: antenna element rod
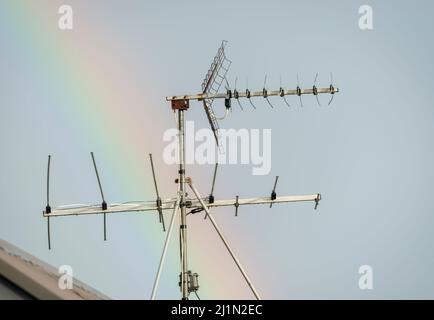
{"points": [[104, 204], [160, 211], [97, 177], [153, 174], [48, 208], [48, 232], [273, 193], [48, 181], [213, 179]]}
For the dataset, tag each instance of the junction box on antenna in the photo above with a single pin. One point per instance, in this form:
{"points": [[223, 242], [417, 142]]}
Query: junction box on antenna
{"points": [[180, 104]]}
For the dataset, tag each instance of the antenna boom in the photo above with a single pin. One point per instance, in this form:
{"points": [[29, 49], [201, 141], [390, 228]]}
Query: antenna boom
{"points": [[259, 93], [168, 204]]}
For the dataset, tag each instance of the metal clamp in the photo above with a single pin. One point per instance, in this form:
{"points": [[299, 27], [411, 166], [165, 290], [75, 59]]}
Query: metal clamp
{"points": [[317, 200]]}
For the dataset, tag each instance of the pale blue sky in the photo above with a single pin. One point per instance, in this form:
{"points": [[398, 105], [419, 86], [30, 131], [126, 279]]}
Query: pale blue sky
{"points": [[370, 154]]}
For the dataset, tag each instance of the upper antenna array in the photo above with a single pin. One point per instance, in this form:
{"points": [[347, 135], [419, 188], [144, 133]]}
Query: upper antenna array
{"points": [[264, 93]]}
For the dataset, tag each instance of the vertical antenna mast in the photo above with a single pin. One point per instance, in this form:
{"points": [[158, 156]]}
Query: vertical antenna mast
{"points": [[183, 224]]}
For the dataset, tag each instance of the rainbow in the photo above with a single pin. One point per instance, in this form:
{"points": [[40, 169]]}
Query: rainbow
{"points": [[96, 98]]}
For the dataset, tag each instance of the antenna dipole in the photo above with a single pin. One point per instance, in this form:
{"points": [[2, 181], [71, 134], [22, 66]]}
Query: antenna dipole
{"points": [[273, 192], [211, 195], [104, 203], [47, 207], [160, 211]]}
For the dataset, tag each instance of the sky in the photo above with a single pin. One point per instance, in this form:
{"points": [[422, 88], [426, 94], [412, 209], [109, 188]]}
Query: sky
{"points": [[101, 87]]}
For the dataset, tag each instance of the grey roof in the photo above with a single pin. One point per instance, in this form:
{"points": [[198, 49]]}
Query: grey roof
{"points": [[23, 276]]}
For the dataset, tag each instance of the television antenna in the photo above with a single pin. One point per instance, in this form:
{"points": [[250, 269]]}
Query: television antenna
{"points": [[182, 203]]}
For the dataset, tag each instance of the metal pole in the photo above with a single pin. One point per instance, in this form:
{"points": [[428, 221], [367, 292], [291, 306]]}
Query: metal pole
{"points": [[183, 223], [166, 244], [216, 227]]}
